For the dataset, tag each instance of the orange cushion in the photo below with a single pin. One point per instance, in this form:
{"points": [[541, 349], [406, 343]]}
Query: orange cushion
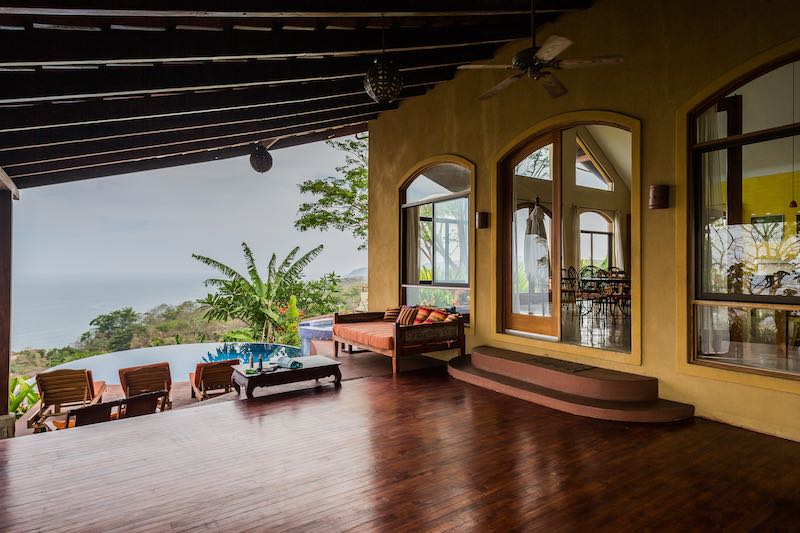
{"points": [[422, 315], [377, 334], [437, 315], [391, 314], [406, 316], [452, 317]]}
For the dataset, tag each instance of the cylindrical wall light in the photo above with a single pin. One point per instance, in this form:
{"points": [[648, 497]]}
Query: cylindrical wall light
{"points": [[659, 196]]}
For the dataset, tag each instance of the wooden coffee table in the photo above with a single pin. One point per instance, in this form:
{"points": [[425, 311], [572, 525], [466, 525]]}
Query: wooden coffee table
{"points": [[314, 367]]}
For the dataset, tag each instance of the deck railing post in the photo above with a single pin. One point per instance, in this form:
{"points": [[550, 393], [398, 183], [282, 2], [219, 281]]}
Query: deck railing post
{"points": [[6, 419]]}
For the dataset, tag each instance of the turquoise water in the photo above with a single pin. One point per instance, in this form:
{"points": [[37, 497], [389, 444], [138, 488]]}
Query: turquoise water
{"points": [[182, 358]]}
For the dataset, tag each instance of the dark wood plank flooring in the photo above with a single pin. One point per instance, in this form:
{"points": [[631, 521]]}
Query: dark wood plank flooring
{"points": [[417, 453]]}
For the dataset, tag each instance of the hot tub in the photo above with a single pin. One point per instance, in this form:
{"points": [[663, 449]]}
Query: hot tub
{"points": [[316, 329]]}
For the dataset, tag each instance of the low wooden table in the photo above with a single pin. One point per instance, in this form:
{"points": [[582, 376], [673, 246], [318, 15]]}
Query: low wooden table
{"points": [[314, 367]]}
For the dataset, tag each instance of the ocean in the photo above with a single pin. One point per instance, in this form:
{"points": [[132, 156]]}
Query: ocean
{"points": [[50, 313]]}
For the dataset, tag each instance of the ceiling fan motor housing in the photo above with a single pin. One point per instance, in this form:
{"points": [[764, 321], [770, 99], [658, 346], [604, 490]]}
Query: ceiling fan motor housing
{"points": [[525, 59]]}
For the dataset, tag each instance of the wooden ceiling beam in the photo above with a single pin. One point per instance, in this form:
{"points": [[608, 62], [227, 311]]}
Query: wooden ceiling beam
{"points": [[61, 85], [107, 151], [75, 136], [174, 156], [44, 116], [291, 8], [180, 159], [35, 47]]}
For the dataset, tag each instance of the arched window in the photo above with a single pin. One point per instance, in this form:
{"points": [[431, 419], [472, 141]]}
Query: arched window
{"points": [[556, 222], [744, 146], [435, 239], [596, 240]]}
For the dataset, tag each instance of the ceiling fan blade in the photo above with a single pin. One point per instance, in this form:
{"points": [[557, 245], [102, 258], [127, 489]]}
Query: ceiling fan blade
{"points": [[553, 85], [485, 67], [584, 62], [554, 45], [501, 86]]}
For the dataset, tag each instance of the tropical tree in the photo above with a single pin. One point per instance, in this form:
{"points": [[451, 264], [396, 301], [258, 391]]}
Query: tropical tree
{"points": [[341, 201], [251, 298]]}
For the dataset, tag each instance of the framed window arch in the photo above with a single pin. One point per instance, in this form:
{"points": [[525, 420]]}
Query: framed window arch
{"points": [[744, 152], [544, 290], [436, 235]]}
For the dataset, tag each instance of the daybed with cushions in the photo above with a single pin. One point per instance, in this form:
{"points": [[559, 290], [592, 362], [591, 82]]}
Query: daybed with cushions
{"points": [[397, 333]]}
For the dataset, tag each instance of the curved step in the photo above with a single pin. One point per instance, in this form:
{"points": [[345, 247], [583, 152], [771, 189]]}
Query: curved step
{"points": [[651, 411], [566, 376]]}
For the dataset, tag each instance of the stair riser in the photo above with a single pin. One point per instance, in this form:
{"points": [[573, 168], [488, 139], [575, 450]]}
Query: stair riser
{"points": [[642, 416], [621, 391]]}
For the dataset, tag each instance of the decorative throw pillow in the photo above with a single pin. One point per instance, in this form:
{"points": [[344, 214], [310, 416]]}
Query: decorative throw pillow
{"points": [[437, 315], [406, 316], [452, 317], [391, 314], [422, 314]]}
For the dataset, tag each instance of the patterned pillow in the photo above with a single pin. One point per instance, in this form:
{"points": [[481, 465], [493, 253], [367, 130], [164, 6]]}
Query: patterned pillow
{"points": [[391, 314], [406, 316], [437, 315], [422, 314], [452, 317]]}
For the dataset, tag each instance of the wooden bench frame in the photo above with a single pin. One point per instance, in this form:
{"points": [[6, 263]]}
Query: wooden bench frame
{"points": [[408, 340]]}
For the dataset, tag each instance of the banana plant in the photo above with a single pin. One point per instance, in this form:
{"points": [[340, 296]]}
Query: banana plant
{"points": [[251, 298], [21, 396]]}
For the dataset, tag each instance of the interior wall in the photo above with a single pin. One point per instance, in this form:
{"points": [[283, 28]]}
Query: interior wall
{"points": [[673, 50]]}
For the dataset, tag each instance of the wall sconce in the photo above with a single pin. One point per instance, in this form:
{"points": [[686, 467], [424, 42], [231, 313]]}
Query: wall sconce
{"points": [[481, 220], [659, 197]]}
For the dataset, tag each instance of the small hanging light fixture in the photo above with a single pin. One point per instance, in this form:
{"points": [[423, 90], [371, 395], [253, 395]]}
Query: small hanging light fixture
{"points": [[260, 158], [383, 81]]}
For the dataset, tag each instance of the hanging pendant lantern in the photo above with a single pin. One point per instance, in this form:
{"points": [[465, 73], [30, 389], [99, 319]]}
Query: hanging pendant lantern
{"points": [[260, 158], [383, 81]]}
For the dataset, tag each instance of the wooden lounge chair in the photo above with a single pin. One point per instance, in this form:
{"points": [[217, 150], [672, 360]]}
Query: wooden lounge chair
{"points": [[84, 416], [144, 404], [60, 389], [214, 376], [146, 378]]}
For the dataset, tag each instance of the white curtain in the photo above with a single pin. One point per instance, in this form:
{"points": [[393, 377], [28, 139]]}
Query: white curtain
{"points": [[619, 251], [714, 327]]}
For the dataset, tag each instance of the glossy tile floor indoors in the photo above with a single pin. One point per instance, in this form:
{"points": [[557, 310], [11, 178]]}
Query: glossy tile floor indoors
{"points": [[597, 330], [418, 452]]}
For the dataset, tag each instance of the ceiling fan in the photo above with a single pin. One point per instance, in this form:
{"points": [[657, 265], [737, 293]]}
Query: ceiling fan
{"points": [[538, 62]]}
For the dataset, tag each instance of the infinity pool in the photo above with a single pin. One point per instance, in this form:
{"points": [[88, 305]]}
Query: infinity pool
{"points": [[182, 358]]}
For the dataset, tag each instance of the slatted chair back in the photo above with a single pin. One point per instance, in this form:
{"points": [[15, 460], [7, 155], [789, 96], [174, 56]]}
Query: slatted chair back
{"points": [[146, 378], [144, 404], [216, 375], [65, 387], [91, 414]]}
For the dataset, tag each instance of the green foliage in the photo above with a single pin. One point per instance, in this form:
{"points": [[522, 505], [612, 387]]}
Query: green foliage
{"points": [[21, 396], [341, 202], [316, 297], [251, 298], [114, 331], [290, 324]]}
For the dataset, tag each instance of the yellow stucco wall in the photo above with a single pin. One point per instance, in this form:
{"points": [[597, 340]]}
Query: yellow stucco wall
{"points": [[675, 52]]}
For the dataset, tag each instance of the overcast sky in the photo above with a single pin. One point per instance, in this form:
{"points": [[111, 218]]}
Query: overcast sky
{"points": [[150, 223]]}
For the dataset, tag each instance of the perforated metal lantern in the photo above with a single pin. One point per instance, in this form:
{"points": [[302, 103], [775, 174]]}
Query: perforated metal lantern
{"points": [[383, 81], [260, 158]]}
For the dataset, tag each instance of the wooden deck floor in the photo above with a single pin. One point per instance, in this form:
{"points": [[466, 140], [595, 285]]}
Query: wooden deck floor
{"points": [[422, 452]]}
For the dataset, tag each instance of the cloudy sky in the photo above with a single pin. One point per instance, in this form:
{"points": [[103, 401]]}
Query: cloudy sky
{"points": [[149, 224]]}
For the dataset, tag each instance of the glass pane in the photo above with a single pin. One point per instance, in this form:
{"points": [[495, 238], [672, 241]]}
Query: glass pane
{"points": [[600, 251], [438, 180], [588, 173], [418, 253], [457, 300], [768, 101], [532, 229], [758, 338], [748, 228], [596, 237], [537, 165], [451, 245]]}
